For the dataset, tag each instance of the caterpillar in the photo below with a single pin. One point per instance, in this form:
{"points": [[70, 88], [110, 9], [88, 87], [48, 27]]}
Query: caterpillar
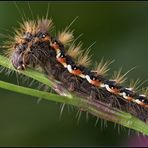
{"points": [[33, 44]]}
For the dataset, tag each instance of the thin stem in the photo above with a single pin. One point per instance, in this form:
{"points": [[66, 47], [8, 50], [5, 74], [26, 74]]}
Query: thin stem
{"points": [[97, 109], [5, 62], [29, 72]]}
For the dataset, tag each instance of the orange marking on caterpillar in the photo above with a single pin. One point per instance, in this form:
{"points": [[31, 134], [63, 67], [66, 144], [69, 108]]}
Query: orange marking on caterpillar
{"points": [[114, 90], [62, 61], [47, 38], [129, 98], [55, 46], [76, 72], [96, 82]]}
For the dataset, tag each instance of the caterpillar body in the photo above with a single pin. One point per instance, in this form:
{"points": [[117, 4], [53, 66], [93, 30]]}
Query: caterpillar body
{"points": [[34, 45]]}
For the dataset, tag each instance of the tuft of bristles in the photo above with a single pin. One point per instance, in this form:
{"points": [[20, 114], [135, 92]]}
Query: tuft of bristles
{"points": [[102, 67], [75, 50], [45, 25], [135, 84], [144, 91], [28, 26], [32, 27], [66, 37], [120, 78], [84, 58]]}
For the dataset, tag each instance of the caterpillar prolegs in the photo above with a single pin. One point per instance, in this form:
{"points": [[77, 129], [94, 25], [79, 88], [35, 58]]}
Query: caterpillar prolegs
{"points": [[33, 44]]}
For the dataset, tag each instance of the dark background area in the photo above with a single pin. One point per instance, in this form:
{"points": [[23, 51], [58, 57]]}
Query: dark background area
{"points": [[120, 30]]}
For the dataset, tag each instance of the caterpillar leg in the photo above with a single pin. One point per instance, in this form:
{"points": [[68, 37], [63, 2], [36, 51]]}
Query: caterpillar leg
{"points": [[56, 72], [114, 101], [93, 94], [72, 86], [90, 90], [17, 61]]}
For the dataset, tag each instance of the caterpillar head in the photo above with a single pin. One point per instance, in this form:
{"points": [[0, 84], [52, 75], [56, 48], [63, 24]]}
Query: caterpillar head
{"points": [[28, 46]]}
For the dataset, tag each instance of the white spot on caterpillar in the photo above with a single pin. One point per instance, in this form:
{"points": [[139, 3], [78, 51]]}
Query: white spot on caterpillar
{"points": [[108, 88], [82, 76], [142, 95], [58, 51], [58, 55], [137, 101], [102, 85], [129, 88], [88, 78], [69, 68], [124, 95]]}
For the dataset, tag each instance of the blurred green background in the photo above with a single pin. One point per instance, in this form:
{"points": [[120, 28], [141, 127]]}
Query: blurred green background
{"points": [[120, 30]]}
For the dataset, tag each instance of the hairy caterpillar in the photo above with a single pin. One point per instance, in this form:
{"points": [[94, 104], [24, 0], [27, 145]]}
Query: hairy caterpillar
{"points": [[58, 61]]}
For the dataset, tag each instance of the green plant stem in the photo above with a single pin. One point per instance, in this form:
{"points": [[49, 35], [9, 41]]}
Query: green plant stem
{"points": [[5, 62], [98, 109], [29, 72], [117, 116]]}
